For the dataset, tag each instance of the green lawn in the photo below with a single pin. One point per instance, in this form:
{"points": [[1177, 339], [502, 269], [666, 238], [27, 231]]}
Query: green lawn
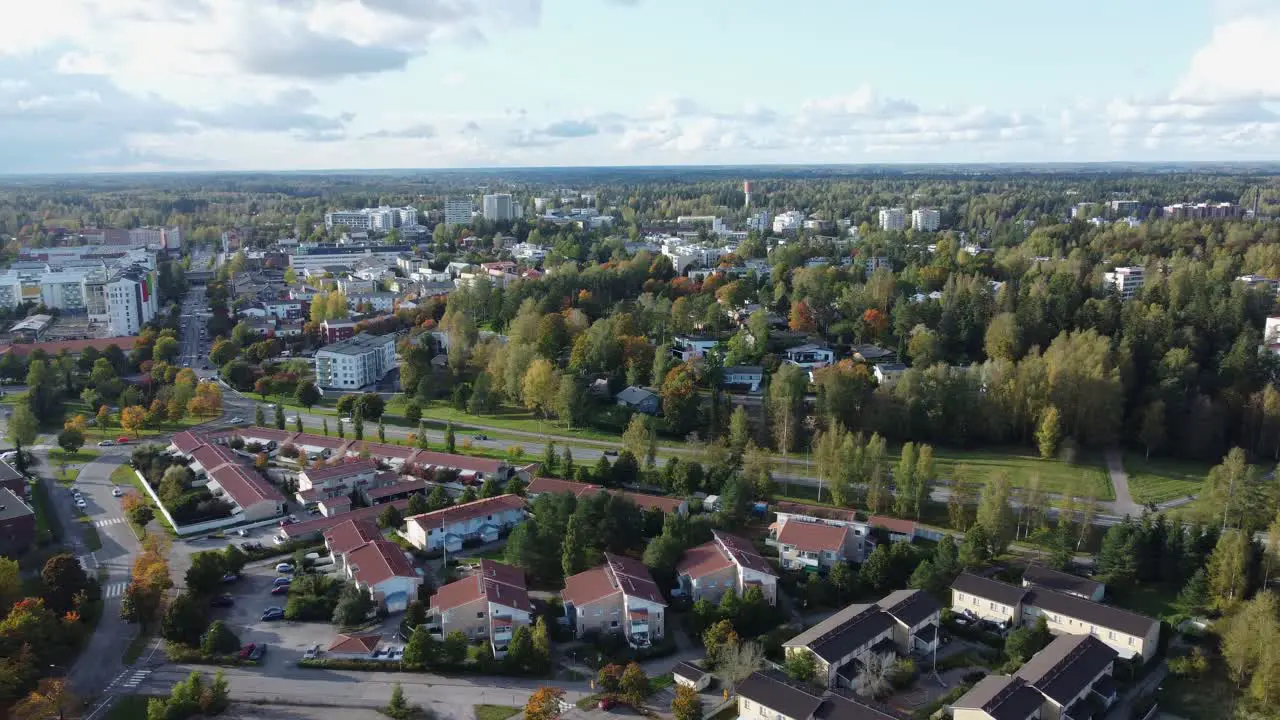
{"points": [[72, 460], [47, 525], [128, 707], [136, 647], [1159, 479], [496, 712], [124, 476], [90, 533], [507, 418], [1086, 478]]}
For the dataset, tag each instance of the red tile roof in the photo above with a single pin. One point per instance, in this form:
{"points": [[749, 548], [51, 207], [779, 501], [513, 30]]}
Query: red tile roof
{"points": [[722, 552], [378, 561], [187, 441], [743, 552], [342, 469], [498, 583], [666, 505], [457, 462], [703, 560], [314, 526], [588, 586], [242, 484], [355, 643], [396, 488], [541, 485], [893, 525], [349, 535], [467, 511], [813, 537], [817, 511], [617, 574]]}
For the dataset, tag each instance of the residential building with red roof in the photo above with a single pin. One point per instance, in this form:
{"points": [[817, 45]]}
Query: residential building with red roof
{"points": [[814, 546], [859, 544], [483, 520], [73, 347], [618, 596], [314, 527], [486, 605], [666, 505], [381, 569], [726, 564], [349, 535], [230, 476], [350, 647], [339, 477]]}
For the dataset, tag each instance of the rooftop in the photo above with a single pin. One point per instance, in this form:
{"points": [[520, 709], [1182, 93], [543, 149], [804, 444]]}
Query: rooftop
{"points": [[349, 535], [358, 345], [11, 506], [812, 536], [467, 511], [1002, 697], [378, 561], [1067, 666], [792, 701], [843, 632], [1051, 579], [989, 589], [1107, 616]]}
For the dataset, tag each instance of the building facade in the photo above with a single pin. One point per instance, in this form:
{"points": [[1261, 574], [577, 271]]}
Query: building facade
{"points": [[893, 218], [925, 219], [499, 207], [352, 364]]}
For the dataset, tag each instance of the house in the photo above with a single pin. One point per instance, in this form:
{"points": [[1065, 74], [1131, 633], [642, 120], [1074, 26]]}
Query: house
{"points": [[860, 543], [640, 400], [772, 696], [387, 492], [353, 647], [887, 374], [1129, 634], [252, 497], [904, 622], [749, 377], [618, 596], [448, 528], [379, 567], [655, 503], [691, 347], [314, 528], [1050, 579], [727, 563], [809, 356], [347, 536], [691, 676], [12, 479], [870, 353], [899, 530], [329, 482], [488, 605], [1069, 678], [814, 546], [17, 524]]}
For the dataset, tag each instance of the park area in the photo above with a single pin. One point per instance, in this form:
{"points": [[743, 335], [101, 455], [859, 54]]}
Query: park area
{"points": [[1158, 480], [1085, 478]]}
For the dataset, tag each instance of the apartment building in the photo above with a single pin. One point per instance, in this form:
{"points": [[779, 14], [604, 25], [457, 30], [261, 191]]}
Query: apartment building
{"points": [[788, 222], [489, 605], [815, 547], [231, 477], [499, 207], [772, 696], [457, 211], [1126, 281], [1069, 678], [1129, 634], [481, 521], [1050, 579], [893, 218], [357, 362], [904, 622], [925, 219], [726, 564], [652, 503], [380, 568], [380, 218], [618, 596], [328, 482]]}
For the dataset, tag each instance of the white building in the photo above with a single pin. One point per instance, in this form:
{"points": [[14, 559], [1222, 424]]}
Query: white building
{"points": [[893, 218], [354, 363], [925, 219], [759, 221], [1127, 281], [499, 207], [482, 520], [457, 211], [131, 300], [528, 253], [790, 221], [380, 218]]}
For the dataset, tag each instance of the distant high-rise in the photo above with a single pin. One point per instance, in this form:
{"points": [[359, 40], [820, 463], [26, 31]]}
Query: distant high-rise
{"points": [[746, 190], [499, 207], [457, 211], [1127, 281], [893, 218], [925, 219]]}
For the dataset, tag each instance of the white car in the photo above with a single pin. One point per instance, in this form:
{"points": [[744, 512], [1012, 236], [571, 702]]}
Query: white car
{"points": [[80, 503], [106, 443], [311, 652], [235, 420], [116, 492]]}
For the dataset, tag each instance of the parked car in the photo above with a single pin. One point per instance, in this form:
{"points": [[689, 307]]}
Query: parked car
{"points": [[284, 568], [105, 443], [280, 589], [222, 601], [311, 652], [273, 613], [247, 650], [259, 651], [116, 492], [281, 581], [80, 503], [230, 577], [236, 420]]}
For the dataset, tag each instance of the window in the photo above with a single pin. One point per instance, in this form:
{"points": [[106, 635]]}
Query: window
{"points": [[1111, 635], [480, 614], [613, 623], [746, 704], [960, 597], [1130, 641]]}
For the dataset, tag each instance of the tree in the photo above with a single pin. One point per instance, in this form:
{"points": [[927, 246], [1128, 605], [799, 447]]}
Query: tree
{"points": [[423, 648], [1152, 432], [843, 580], [541, 644], [574, 553], [10, 584], [801, 318], [24, 427], [544, 704], [737, 662], [1003, 337], [50, 699], [739, 431], [609, 678], [718, 638], [1228, 570], [1049, 433], [926, 577], [801, 665], [634, 684], [353, 608], [132, 419], [686, 705], [450, 440], [260, 417], [398, 707], [540, 387], [206, 571], [184, 620], [905, 478], [279, 416], [64, 579], [1024, 642], [1194, 598], [391, 516], [641, 439], [995, 513], [436, 500], [975, 551], [71, 440]]}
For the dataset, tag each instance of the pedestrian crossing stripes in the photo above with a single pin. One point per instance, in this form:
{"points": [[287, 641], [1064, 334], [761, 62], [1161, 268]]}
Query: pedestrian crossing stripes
{"points": [[132, 680], [108, 521], [114, 590]]}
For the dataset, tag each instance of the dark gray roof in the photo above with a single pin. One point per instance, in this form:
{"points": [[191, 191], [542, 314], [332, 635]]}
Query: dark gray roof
{"points": [[780, 696], [1044, 577], [843, 632], [1003, 593], [11, 506], [689, 670], [1067, 666], [7, 472], [842, 705], [633, 395], [1103, 616], [909, 607], [744, 370], [1002, 697]]}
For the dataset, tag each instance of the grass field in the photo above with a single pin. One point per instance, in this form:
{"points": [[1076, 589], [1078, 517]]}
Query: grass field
{"points": [[1159, 480], [125, 477], [89, 531], [507, 418], [128, 707], [72, 460], [1086, 478], [496, 712]]}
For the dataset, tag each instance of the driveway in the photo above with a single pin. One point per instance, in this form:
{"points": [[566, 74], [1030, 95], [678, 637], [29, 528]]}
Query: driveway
{"points": [[1123, 504]]}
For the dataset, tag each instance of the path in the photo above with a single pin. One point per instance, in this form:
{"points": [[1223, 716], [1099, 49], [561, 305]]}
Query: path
{"points": [[1123, 504]]}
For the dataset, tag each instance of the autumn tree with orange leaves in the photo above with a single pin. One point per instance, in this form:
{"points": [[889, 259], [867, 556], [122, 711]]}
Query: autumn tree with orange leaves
{"points": [[544, 704], [144, 596], [802, 320]]}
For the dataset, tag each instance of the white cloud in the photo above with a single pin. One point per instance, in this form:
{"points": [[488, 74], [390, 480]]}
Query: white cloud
{"points": [[1238, 64]]}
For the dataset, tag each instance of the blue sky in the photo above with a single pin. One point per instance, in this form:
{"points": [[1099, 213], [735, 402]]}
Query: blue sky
{"points": [[305, 84]]}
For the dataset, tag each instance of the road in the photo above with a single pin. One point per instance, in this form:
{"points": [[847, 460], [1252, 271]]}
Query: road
{"points": [[191, 326]]}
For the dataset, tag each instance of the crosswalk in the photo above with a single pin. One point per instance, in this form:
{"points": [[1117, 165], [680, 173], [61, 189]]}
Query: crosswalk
{"points": [[89, 562], [128, 680], [108, 521], [114, 590]]}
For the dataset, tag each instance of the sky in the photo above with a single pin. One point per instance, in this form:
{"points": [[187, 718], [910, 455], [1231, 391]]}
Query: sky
{"points": [[122, 85]]}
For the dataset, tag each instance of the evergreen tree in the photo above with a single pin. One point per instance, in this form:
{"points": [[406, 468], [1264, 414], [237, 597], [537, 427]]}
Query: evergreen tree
{"points": [[1194, 598], [549, 459], [566, 470], [573, 554], [450, 441], [279, 416]]}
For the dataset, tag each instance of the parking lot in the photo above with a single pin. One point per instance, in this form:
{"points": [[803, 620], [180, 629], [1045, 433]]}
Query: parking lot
{"points": [[286, 640]]}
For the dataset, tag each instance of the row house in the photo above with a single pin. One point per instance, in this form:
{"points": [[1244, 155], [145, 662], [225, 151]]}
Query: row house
{"points": [[1069, 678], [773, 696], [230, 477], [488, 605], [726, 564], [654, 503], [618, 596], [1129, 634], [480, 521]]}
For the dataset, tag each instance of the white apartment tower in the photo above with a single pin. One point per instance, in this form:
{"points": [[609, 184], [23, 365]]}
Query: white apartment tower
{"points": [[457, 211], [1127, 281], [893, 218], [355, 363], [499, 207], [925, 219], [131, 301]]}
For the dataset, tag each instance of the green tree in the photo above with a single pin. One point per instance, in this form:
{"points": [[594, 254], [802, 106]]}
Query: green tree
{"points": [[259, 417], [1194, 598], [71, 440], [905, 478], [184, 620], [573, 555], [975, 551], [634, 684], [1228, 570], [801, 665], [23, 427], [1049, 433], [995, 513], [739, 431], [219, 639], [391, 516], [353, 608], [422, 649], [641, 439], [204, 576], [450, 440], [455, 648], [279, 416], [926, 475], [686, 705], [843, 580]]}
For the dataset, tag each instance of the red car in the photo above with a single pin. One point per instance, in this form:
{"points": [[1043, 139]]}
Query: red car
{"points": [[280, 590], [606, 703], [122, 440], [246, 651]]}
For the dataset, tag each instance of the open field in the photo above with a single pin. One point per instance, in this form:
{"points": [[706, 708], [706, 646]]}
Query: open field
{"points": [[1086, 478], [1159, 480]]}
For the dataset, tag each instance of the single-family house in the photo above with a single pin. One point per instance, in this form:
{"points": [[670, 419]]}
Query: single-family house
{"points": [[640, 400], [379, 567], [747, 377], [490, 604], [727, 563], [814, 546], [618, 596], [482, 520], [691, 676], [691, 347], [809, 356], [887, 374]]}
